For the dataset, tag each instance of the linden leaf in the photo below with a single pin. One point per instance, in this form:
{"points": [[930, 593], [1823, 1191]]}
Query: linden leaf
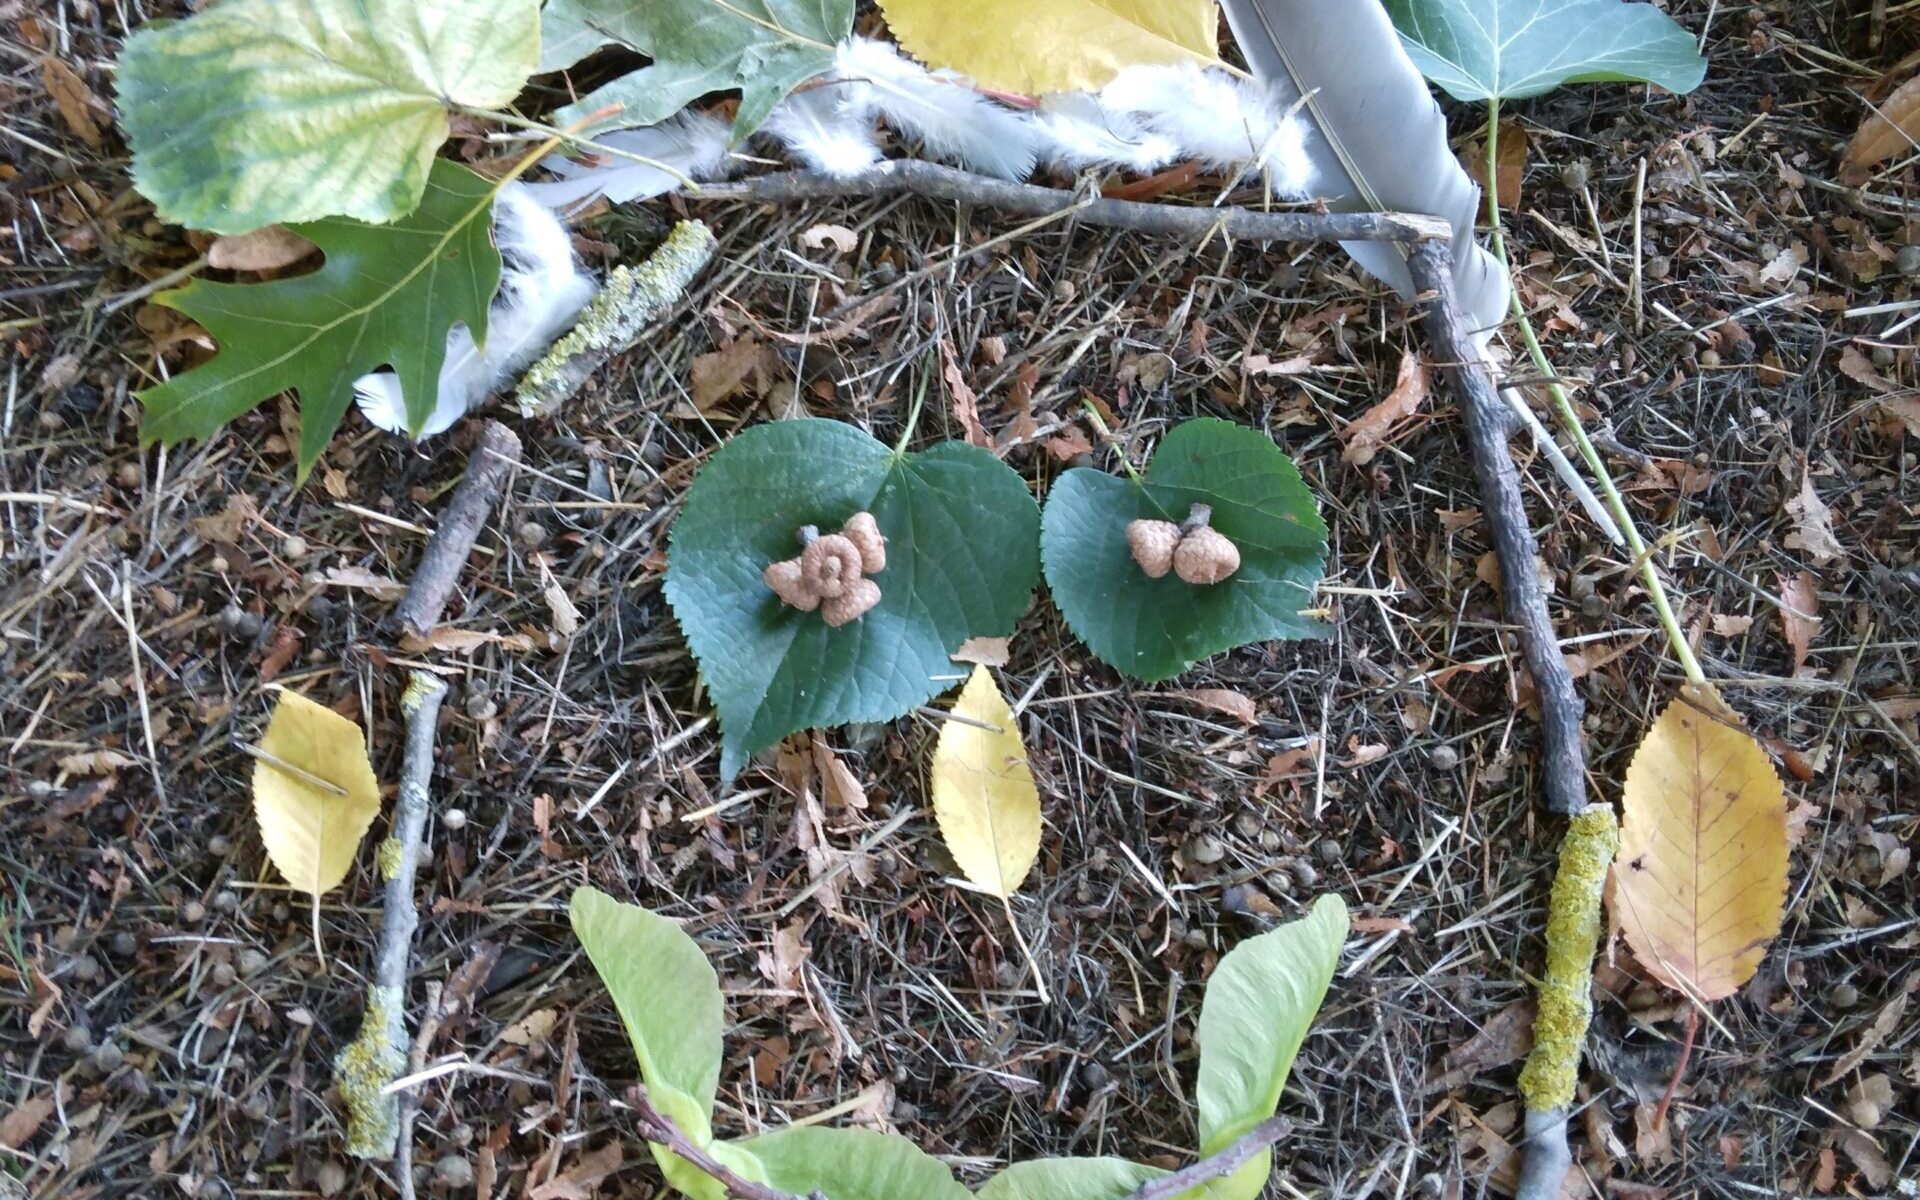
{"points": [[1154, 629], [314, 793], [252, 112], [1069, 1179], [385, 296], [1062, 46], [847, 1164], [983, 791], [1700, 885]]}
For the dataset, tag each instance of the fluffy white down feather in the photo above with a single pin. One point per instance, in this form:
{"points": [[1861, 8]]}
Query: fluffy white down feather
{"points": [[820, 129], [542, 290], [1217, 118], [1076, 132], [691, 142], [951, 120]]}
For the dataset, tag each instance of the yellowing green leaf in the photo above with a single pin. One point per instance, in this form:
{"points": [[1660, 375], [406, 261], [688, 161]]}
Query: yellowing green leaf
{"points": [[1056, 46], [1701, 882], [983, 791], [311, 831]]}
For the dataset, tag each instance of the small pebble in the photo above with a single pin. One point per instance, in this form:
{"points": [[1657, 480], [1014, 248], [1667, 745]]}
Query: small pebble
{"points": [[1843, 995], [1203, 849], [1575, 174], [237, 623], [223, 974], [454, 818], [193, 912], [1329, 851], [255, 1107], [1444, 758], [1303, 872], [75, 1040], [1906, 260], [531, 535], [252, 961], [330, 1179], [219, 845], [107, 1058], [220, 564], [225, 901], [213, 1189], [127, 474], [124, 944], [293, 546], [461, 1134], [85, 968]]}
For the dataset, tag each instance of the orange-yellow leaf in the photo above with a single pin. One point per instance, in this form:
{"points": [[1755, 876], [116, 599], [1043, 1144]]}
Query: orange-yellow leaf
{"points": [[1055, 46], [1891, 129], [1701, 882]]}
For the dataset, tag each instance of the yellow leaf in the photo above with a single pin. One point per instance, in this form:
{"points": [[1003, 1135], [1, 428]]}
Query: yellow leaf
{"points": [[311, 831], [983, 792], [1053, 45], [1700, 886]]}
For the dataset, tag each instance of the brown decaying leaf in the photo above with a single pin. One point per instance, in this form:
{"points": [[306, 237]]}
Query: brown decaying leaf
{"points": [[965, 401], [1506, 1038], [267, 249], [1812, 524], [746, 364], [1902, 408], [1511, 168], [73, 98], [1366, 435], [1799, 616], [1237, 705], [986, 651], [24, 1121], [1700, 885], [1892, 129]]}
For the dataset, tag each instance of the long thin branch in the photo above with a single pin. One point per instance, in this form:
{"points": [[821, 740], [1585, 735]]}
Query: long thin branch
{"points": [[495, 455], [658, 1128], [1563, 758], [1217, 1166], [1167, 220]]}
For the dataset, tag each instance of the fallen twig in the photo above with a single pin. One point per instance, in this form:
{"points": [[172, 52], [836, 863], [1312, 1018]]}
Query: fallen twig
{"points": [[495, 456], [377, 1056], [945, 183], [657, 1127], [1217, 1166], [1563, 760]]}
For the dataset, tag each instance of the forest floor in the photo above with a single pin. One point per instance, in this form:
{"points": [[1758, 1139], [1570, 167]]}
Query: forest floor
{"points": [[167, 1028]]}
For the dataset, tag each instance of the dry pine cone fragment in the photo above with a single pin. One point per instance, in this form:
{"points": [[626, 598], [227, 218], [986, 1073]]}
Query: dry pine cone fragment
{"points": [[788, 582], [861, 595], [1205, 556], [830, 565], [864, 532], [1153, 544]]}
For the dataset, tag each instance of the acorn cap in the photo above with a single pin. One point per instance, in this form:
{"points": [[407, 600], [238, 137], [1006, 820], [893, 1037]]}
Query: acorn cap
{"points": [[850, 605], [864, 532], [788, 582], [1205, 557], [1153, 544]]}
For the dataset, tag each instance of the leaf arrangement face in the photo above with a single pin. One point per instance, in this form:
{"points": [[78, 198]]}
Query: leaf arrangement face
{"points": [[312, 834], [254, 112], [762, 47], [1510, 49], [1700, 885], [1060, 46], [1153, 629], [961, 530], [386, 295]]}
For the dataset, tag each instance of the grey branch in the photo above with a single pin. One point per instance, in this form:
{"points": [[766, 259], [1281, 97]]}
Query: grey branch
{"points": [[1168, 220], [1563, 760], [655, 1126], [494, 458], [1217, 1166], [378, 1055]]}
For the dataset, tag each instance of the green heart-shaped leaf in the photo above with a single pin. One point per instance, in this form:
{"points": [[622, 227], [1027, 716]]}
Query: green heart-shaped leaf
{"points": [[1069, 1179], [1153, 629], [961, 530], [1481, 49]]}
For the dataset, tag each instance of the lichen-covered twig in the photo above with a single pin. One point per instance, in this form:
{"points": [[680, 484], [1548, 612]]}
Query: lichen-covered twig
{"points": [[630, 300], [379, 1054], [494, 458], [1566, 999], [657, 1127], [1216, 1166]]}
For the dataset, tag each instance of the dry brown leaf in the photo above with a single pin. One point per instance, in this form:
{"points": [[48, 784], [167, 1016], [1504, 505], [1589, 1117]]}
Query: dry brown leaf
{"points": [[1876, 1033], [19, 1126], [582, 1180], [1375, 427], [1890, 130], [73, 98], [1505, 1038], [1869, 1157], [1859, 368], [965, 401], [448, 640], [266, 249], [1700, 884], [839, 786], [842, 239], [780, 964], [1237, 705], [744, 364], [1800, 616], [536, 1026], [1260, 364], [383, 587], [985, 651], [566, 618], [1812, 525], [88, 763]]}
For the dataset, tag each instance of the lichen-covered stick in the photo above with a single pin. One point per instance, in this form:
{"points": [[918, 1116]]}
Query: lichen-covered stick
{"points": [[1566, 999], [378, 1055]]}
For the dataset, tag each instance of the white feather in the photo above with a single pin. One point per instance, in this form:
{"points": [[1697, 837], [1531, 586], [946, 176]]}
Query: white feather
{"points": [[1073, 130], [817, 128], [941, 109], [542, 290], [692, 144], [1217, 118]]}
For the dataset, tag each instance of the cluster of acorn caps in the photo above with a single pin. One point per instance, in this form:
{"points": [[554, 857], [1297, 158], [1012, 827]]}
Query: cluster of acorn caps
{"points": [[1193, 549], [830, 572]]}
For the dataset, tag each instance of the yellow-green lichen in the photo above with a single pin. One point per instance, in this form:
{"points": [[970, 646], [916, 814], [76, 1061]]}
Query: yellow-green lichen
{"points": [[389, 857], [420, 685], [1573, 934], [630, 298], [365, 1067]]}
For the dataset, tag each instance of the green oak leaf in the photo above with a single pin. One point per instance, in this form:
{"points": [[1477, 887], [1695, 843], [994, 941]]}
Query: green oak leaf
{"points": [[1069, 1179], [386, 295], [1153, 629], [253, 112], [961, 530], [1259, 1004], [845, 1164], [762, 47], [1510, 49], [668, 997]]}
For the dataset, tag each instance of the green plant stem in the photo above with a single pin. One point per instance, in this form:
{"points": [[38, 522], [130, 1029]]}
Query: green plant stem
{"points": [[1113, 443], [913, 410], [1570, 420], [555, 135]]}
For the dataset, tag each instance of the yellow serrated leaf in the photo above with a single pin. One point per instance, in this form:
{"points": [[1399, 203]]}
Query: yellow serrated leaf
{"points": [[1056, 46], [983, 791], [1700, 886], [311, 833]]}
